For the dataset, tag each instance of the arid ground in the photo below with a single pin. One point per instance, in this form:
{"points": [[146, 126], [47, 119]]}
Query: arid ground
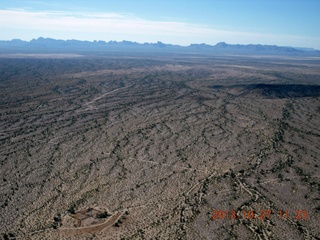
{"points": [[159, 147]]}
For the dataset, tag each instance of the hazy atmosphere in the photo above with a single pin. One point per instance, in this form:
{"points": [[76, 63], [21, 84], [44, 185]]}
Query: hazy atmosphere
{"points": [[285, 23]]}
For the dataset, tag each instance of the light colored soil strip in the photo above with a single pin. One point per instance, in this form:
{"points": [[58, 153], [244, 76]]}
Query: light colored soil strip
{"points": [[68, 232], [168, 165]]}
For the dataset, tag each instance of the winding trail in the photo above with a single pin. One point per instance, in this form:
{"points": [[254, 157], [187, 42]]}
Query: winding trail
{"points": [[89, 105], [68, 232]]}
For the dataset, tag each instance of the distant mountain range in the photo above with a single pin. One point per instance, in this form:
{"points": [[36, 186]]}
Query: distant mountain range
{"points": [[49, 45]]}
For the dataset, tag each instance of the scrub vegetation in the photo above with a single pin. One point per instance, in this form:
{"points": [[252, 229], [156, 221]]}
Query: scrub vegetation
{"points": [[148, 146]]}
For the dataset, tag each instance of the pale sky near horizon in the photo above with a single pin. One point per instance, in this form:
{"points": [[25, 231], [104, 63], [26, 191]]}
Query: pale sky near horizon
{"points": [[273, 22]]}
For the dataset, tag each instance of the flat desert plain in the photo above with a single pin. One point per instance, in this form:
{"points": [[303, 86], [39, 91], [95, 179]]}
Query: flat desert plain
{"points": [[159, 147]]}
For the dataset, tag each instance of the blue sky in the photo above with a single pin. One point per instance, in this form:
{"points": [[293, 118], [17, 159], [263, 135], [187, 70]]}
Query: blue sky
{"points": [[279, 22]]}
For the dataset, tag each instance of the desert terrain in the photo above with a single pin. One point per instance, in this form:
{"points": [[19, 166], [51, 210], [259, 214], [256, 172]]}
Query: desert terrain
{"points": [[159, 147]]}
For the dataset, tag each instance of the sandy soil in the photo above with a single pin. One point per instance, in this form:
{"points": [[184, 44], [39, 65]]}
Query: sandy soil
{"points": [[169, 139]]}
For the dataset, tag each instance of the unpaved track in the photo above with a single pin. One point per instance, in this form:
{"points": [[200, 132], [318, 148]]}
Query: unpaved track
{"points": [[69, 232]]}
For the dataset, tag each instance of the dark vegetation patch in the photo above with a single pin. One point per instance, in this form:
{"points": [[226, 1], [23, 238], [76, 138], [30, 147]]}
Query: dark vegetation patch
{"points": [[273, 90]]}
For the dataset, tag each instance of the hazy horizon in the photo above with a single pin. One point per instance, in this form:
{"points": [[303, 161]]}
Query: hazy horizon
{"points": [[282, 23], [166, 43]]}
